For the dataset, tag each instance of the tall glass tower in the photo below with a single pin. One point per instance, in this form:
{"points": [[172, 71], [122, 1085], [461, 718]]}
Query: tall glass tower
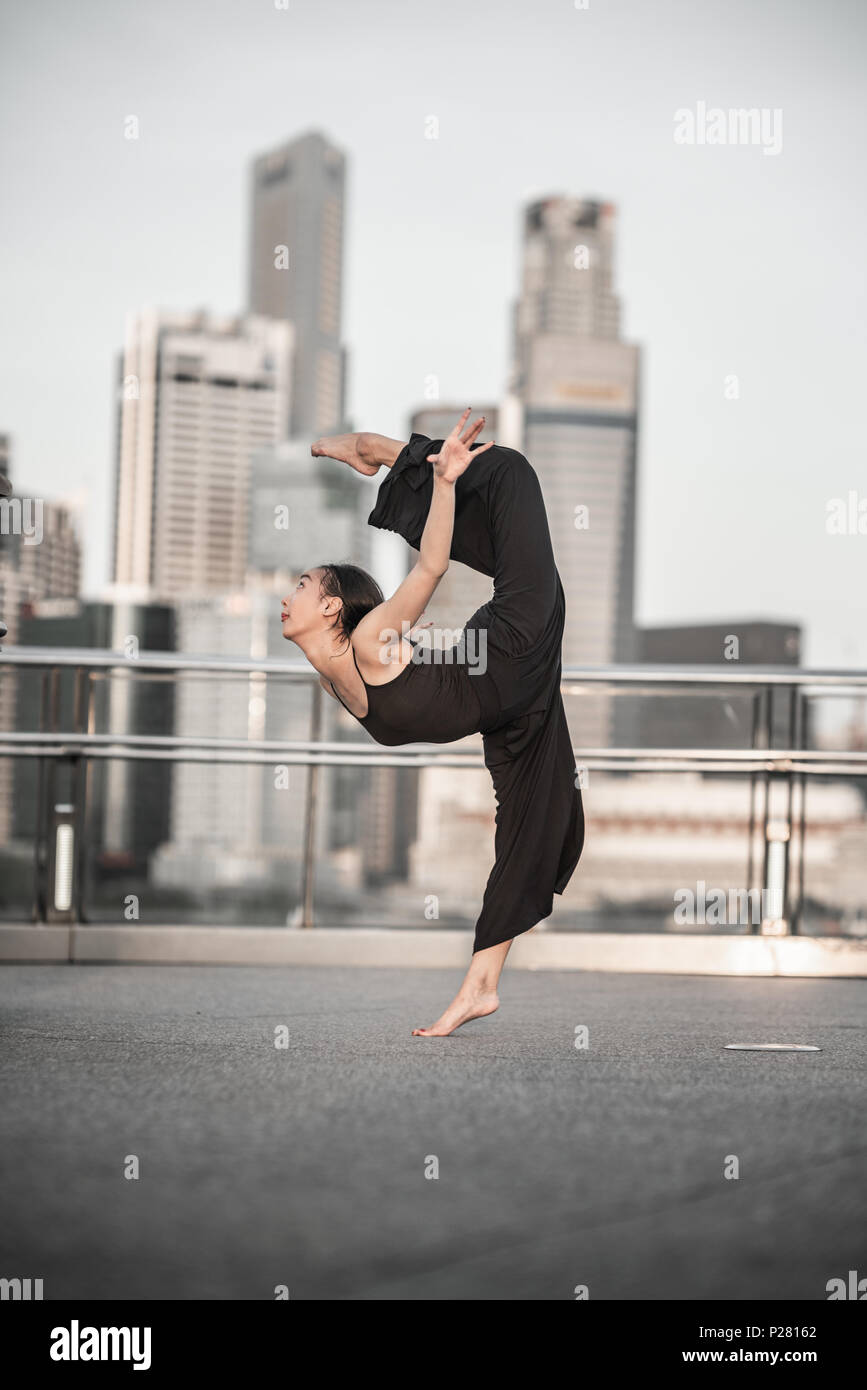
{"points": [[578, 383], [296, 270]]}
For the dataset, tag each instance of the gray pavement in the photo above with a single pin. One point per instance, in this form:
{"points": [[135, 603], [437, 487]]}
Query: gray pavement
{"points": [[305, 1166]]}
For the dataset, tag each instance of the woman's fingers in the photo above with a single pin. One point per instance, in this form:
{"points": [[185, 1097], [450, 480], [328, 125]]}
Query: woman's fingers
{"points": [[472, 433], [459, 426], [456, 451], [475, 429]]}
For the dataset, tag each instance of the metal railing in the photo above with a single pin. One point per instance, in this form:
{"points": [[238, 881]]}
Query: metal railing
{"points": [[78, 746]]}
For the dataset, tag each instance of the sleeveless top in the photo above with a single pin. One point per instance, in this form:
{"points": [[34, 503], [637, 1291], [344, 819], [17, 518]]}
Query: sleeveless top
{"points": [[430, 701]]}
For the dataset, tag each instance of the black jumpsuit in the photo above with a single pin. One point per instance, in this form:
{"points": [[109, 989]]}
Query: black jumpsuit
{"points": [[503, 680]]}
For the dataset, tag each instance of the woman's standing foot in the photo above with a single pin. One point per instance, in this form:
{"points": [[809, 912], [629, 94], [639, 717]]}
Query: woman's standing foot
{"points": [[477, 996], [462, 1008]]}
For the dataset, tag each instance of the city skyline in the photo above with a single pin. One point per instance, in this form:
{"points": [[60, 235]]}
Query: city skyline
{"points": [[769, 469], [432, 560]]}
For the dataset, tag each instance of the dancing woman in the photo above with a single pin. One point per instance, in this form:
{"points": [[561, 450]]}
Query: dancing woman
{"points": [[481, 505]]}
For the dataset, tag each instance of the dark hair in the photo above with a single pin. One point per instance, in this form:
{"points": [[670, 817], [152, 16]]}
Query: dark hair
{"points": [[358, 590]]}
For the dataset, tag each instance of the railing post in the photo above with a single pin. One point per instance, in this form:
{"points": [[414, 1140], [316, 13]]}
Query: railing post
{"points": [[40, 835], [46, 790], [786, 913], [62, 852], [751, 832], [777, 837], [768, 698], [310, 810], [802, 813], [80, 784], [778, 834]]}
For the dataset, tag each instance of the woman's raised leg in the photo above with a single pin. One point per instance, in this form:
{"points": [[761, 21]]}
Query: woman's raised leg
{"points": [[500, 528], [363, 451]]}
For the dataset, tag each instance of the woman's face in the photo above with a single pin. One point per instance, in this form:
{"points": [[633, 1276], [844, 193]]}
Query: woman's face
{"points": [[303, 610]]}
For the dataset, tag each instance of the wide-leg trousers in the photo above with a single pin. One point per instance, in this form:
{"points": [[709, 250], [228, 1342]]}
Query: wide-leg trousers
{"points": [[501, 530]]}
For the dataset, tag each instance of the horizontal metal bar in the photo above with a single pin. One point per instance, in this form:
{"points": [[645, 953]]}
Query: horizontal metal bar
{"points": [[98, 659], [291, 760], [78, 742], [357, 755], [776, 759]]}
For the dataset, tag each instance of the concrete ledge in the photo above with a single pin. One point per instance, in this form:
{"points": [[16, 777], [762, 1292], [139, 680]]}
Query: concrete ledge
{"points": [[34, 943], [436, 948]]}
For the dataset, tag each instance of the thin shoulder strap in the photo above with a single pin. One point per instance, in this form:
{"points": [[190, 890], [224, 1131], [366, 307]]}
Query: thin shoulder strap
{"points": [[360, 677], [345, 706], [355, 659]]}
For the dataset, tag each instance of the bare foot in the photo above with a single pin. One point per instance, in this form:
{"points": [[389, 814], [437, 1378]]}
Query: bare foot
{"points": [[462, 1008], [346, 448]]}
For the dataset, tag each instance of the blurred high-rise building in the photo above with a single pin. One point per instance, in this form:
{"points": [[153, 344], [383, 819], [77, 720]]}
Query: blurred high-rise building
{"points": [[10, 607], [229, 820], [708, 719], [197, 395], [577, 384], [295, 270], [561, 236], [127, 799], [51, 566], [303, 510], [40, 558], [5, 464], [40, 541]]}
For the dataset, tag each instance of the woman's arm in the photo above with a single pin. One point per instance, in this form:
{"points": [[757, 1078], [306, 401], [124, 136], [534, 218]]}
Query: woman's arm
{"points": [[408, 601]]}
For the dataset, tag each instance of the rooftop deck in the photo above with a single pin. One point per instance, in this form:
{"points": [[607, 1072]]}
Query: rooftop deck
{"points": [[305, 1165]]}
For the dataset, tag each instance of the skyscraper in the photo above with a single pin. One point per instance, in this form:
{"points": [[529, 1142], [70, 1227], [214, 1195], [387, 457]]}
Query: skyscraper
{"points": [[714, 718], [578, 386], [51, 568], [303, 511], [127, 799], [296, 270], [40, 558], [197, 395]]}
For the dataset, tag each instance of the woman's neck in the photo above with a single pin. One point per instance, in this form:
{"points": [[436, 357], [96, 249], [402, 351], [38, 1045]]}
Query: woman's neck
{"points": [[323, 652]]}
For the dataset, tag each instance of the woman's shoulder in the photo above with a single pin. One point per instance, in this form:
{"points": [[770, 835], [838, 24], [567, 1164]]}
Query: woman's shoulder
{"points": [[376, 648], [373, 632]]}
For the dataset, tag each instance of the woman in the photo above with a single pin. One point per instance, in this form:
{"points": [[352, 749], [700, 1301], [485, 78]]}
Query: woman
{"points": [[481, 505]]}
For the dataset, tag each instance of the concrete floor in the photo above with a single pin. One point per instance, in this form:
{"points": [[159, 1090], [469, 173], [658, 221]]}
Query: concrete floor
{"points": [[305, 1166]]}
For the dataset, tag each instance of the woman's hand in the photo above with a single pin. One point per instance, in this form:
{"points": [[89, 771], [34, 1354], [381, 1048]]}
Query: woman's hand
{"points": [[455, 455]]}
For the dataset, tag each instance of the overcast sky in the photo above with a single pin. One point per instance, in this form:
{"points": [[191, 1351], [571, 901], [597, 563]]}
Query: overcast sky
{"points": [[730, 261]]}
